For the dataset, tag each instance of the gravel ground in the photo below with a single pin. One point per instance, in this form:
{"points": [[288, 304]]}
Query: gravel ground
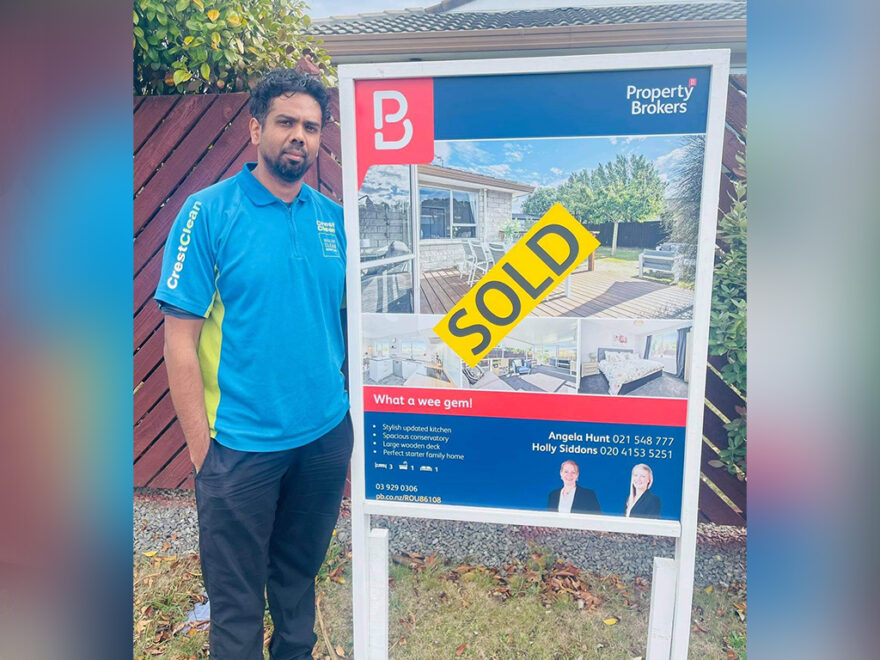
{"points": [[170, 516]]}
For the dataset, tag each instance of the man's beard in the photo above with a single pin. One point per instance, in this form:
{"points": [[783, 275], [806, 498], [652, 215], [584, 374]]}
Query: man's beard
{"points": [[290, 171]]}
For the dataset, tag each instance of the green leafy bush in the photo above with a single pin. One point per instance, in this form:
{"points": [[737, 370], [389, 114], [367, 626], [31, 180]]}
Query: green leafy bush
{"points": [[727, 329], [196, 46]]}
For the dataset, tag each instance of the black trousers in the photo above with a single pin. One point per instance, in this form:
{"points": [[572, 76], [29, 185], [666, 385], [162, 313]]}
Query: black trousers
{"points": [[265, 521]]}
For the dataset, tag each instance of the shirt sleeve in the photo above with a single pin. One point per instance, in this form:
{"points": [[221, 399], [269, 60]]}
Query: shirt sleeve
{"points": [[188, 265], [171, 310]]}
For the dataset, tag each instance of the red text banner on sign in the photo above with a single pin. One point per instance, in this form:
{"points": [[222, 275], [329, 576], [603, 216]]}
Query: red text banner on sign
{"points": [[527, 405]]}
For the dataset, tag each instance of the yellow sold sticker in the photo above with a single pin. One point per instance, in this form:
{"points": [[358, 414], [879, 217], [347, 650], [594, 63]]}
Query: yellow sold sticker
{"points": [[522, 278]]}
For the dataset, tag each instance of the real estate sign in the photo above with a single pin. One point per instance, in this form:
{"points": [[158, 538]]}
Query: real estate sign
{"points": [[486, 386], [450, 173]]}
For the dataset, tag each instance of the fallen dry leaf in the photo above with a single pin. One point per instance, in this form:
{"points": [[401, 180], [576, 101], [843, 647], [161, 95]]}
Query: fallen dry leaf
{"points": [[339, 651], [709, 589], [460, 650], [151, 553], [610, 621]]}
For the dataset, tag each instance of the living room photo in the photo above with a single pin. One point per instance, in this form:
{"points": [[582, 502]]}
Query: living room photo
{"points": [[539, 355]]}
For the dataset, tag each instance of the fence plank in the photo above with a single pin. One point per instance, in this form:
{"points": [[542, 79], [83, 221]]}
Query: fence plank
{"points": [[630, 234], [163, 142], [736, 110], [334, 103], [148, 356], [330, 174], [739, 79], [187, 154], [728, 483], [713, 429], [718, 361], [732, 146], [153, 425], [148, 115], [145, 282], [145, 323], [206, 173], [176, 471], [717, 509], [726, 196], [248, 155], [721, 396], [311, 176], [168, 445], [331, 139], [150, 392]]}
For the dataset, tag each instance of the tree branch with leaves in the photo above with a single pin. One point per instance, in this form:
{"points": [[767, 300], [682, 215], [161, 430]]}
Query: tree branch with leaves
{"points": [[198, 46]]}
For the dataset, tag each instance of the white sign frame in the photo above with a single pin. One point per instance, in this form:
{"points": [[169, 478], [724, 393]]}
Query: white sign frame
{"points": [[683, 531]]}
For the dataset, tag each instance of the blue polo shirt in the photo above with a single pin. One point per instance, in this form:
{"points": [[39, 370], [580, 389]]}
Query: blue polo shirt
{"points": [[268, 277]]}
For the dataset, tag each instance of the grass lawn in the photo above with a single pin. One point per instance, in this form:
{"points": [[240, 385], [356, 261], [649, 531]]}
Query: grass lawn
{"points": [[542, 609], [622, 254]]}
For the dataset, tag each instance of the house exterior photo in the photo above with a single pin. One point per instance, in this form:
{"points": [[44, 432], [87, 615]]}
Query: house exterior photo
{"points": [[418, 219]]}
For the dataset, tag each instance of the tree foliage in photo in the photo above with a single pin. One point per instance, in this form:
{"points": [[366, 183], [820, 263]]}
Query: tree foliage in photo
{"points": [[199, 46], [682, 223], [622, 190]]}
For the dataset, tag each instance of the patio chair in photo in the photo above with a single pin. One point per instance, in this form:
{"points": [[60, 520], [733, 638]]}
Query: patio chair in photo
{"points": [[496, 250], [469, 261], [481, 261], [520, 366]]}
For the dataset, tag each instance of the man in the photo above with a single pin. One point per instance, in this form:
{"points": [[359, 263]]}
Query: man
{"points": [[251, 288], [572, 498]]}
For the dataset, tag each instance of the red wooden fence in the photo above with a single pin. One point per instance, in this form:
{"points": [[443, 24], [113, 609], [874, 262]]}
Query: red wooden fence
{"points": [[185, 143]]}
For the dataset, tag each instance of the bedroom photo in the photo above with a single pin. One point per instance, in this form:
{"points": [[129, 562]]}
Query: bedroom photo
{"points": [[648, 358]]}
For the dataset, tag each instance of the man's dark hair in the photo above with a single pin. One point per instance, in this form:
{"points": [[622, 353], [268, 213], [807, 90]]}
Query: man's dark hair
{"points": [[284, 82]]}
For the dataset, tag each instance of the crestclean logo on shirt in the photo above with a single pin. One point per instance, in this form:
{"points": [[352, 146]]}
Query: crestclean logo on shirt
{"points": [[328, 243], [183, 245], [660, 100]]}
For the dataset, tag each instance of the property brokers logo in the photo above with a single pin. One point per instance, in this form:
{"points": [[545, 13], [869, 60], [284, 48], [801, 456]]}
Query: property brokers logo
{"points": [[394, 122], [660, 100]]}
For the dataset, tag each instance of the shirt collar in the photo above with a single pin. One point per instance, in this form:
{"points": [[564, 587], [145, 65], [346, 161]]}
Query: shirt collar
{"points": [[259, 194]]}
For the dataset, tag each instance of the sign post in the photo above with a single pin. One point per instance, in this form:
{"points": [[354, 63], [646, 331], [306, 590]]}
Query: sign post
{"points": [[496, 373]]}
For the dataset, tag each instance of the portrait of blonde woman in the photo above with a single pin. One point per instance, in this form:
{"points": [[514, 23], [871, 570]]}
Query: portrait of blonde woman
{"points": [[642, 503], [572, 498]]}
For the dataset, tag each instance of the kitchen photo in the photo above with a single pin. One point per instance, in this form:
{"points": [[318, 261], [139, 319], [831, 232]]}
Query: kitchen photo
{"points": [[401, 350]]}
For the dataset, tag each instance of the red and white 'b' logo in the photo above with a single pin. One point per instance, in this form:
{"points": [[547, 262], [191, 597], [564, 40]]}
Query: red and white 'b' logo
{"points": [[395, 122], [379, 119]]}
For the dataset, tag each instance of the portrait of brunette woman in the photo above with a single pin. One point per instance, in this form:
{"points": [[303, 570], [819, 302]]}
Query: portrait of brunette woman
{"points": [[642, 503]]}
